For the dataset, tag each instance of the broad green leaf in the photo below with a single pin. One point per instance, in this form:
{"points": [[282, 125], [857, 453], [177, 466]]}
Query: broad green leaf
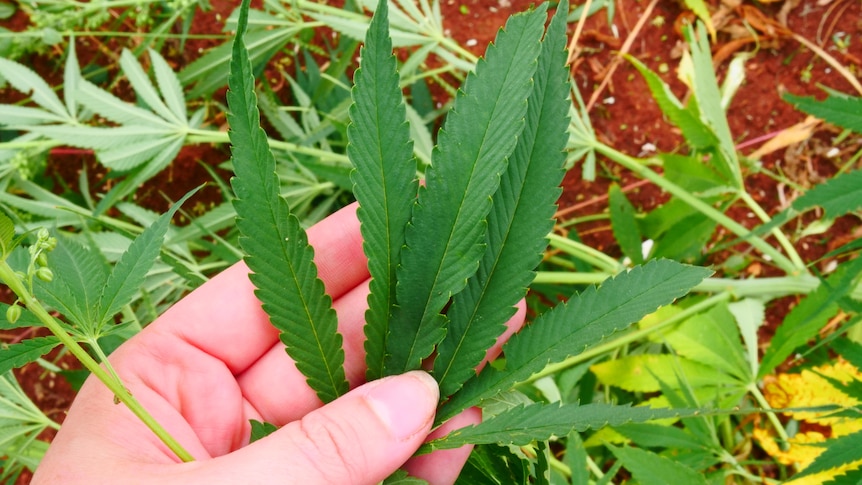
{"points": [[837, 196], [837, 109], [129, 273], [101, 138], [624, 224], [695, 132], [641, 373], [851, 351], [28, 82], [837, 452], [524, 424], [648, 467], [851, 477], [807, 318], [690, 173], [518, 223], [143, 87], [712, 338], [585, 320], [444, 241], [26, 351], [169, 86], [651, 435], [686, 239], [278, 253], [384, 179], [576, 458]]}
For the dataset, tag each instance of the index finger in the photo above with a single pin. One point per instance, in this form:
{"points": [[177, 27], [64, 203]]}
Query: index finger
{"points": [[224, 318]]}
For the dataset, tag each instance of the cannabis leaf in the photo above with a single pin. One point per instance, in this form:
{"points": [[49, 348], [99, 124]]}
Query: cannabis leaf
{"points": [[278, 253], [520, 218], [584, 320], [444, 241], [384, 178]]}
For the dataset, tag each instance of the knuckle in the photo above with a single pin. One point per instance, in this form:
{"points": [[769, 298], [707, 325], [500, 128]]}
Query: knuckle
{"points": [[333, 448]]}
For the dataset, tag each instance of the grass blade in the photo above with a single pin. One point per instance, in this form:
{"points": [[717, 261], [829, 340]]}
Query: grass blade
{"points": [[444, 239], [587, 318], [278, 253], [384, 180], [520, 219]]}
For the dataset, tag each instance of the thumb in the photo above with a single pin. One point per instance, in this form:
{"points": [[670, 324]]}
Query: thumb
{"points": [[361, 437]]}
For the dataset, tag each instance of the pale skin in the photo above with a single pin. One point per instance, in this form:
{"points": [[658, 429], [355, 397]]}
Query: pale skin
{"points": [[213, 362]]}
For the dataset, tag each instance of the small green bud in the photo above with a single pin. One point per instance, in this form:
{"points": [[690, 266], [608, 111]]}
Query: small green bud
{"points": [[45, 274], [13, 313], [50, 244], [42, 234], [42, 259]]}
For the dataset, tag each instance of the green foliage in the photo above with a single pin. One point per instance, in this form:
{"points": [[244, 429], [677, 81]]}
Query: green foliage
{"points": [[651, 468], [278, 253]]}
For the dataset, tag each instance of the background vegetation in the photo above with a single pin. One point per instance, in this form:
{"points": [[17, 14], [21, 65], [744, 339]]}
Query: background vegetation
{"points": [[114, 109]]}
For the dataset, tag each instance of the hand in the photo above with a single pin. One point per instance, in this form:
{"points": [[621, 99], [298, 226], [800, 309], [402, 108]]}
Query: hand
{"points": [[213, 362]]}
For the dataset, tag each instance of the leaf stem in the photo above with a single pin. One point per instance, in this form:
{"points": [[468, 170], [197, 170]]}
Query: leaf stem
{"points": [[779, 236], [770, 414], [208, 136], [7, 275], [580, 250], [642, 170], [629, 337]]}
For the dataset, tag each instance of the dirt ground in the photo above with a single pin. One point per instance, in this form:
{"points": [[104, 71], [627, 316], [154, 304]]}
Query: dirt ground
{"points": [[622, 111]]}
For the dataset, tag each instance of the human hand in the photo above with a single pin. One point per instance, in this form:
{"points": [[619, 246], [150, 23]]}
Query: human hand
{"points": [[213, 362]]}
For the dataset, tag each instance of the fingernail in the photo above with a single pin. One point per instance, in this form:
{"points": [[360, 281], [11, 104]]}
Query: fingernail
{"points": [[405, 403]]}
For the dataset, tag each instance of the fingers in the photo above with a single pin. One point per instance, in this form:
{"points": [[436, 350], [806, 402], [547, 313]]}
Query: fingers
{"points": [[225, 319], [359, 438]]}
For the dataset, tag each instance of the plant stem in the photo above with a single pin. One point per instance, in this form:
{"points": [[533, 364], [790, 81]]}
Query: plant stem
{"points": [[779, 236], [580, 250], [7, 275], [207, 136], [770, 414], [643, 171], [629, 337], [767, 288]]}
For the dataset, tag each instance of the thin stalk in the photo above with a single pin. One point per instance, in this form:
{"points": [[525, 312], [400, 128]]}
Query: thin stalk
{"points": [[768, 288], [582, 251], [643, 171], [770, 414], [629, 337], [779, 236], [7, 275], [207, 136]]}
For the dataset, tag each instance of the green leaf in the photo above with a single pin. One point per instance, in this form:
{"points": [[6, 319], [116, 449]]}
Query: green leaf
{"points": [[278, 253], [695, 132], [851, 351], [837, 196], [143, 87], [79, 277], [850, 477], [524, 424], [114, 108], [7, 235], [641, 373], [494, 465], [712, 338], [650, 435], [28, 82], [837, 109], [6, 10], [401, 477], [129, 155], [624, 224], [708, 98], [71, 79], [24, 352], [13, 115], [384, 180], [129, 273], [837, 452], [27, 319], [170, 87], [576, 458], [648, 467], [261, 429], [445, 236], [520, 219], [585, 320], [749, 314], [807, 318]]}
